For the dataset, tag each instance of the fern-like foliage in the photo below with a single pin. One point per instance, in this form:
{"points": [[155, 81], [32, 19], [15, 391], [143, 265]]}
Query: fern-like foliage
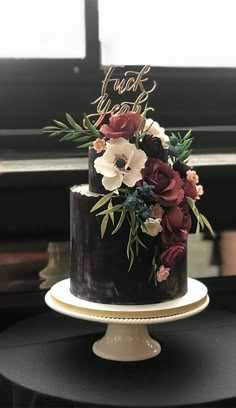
{"points": [[72, 131]]}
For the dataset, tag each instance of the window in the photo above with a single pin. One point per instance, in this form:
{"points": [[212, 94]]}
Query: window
{"points": [[62, 46], [170, 33], [42, 29], [48, 56]]}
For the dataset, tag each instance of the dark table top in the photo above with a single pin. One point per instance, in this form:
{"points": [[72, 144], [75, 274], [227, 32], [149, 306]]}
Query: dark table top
{"points": [[52, 354]]}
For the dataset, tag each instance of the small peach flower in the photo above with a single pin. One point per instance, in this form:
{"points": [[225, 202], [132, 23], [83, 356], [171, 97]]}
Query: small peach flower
{"points": [[200, 191], [156, 211], [162, 273], [152, 227], [192, 176], [99, 145]]}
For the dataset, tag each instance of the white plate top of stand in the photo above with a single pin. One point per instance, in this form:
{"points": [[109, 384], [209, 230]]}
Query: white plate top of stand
{"points": [[60, 299]]}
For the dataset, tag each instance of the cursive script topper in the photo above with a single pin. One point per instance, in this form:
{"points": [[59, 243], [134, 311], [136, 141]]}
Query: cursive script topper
{"points": [[133, 81]]}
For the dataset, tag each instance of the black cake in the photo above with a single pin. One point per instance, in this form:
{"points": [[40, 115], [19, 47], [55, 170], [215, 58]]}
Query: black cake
{"points": [[100, 267]]}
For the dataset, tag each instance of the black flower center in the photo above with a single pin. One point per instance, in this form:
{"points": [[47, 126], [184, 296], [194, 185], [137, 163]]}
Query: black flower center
{"points": [[120, 163]]}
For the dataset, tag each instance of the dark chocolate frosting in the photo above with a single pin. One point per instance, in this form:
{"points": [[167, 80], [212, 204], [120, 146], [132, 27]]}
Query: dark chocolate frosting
{"points": [[95, 179], [99, 267]]}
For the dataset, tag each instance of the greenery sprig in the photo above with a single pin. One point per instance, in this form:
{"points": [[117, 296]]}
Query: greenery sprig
{"points": [[132, 209], [202, 221], [72, 131], [179, 147], [134, 240]]}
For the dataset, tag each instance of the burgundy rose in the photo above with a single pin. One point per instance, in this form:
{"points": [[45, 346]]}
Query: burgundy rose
{"points": [[190, 190], [122, 125], [168, 186], [176, 224], [172, 255]]}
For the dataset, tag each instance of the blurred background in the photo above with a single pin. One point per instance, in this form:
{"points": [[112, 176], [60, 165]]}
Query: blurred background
{"points": [[53, 56]]}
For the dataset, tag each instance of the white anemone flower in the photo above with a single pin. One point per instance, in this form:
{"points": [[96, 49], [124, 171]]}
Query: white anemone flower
{"points": [[121, 163], [154, 129]]}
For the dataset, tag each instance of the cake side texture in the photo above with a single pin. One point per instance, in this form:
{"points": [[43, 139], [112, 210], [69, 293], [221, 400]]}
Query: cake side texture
{"points": [[100, 267]]}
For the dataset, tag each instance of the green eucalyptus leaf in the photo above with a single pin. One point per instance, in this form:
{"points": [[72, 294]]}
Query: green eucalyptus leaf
{"points": [[60, 124], [72, 122], [208, 225], [195, 211], [110, 210], [131, 258], [141, 243], [75, 137], [92, 128], [129, 244], [102, 201], [57, 133], [71, 135], [186, 144], [198, 228], [104, 225], [188, 135], [84, 145], [120, 222], [179, 136], [82, 138], [136, 247], [50, 128], [67, 136], [130, 252], [184, 156], [111, 214]]}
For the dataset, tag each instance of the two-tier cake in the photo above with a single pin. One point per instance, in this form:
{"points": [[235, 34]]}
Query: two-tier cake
{"points": [[130, 224]]}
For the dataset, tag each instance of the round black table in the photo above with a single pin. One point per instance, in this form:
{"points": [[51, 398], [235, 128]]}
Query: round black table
{"points": [[51, 355]]}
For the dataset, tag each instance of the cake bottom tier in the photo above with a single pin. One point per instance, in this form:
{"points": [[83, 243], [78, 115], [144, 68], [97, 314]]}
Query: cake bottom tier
{"points": [[100, 267]]}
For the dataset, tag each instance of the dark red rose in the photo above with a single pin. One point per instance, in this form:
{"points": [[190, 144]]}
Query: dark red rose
{"points": [[168, 186], [190, 190], [176, 224], [122, 125], [172, 255]]}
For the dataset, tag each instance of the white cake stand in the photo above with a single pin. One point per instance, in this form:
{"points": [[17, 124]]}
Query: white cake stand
{"points": [[127, 337]]}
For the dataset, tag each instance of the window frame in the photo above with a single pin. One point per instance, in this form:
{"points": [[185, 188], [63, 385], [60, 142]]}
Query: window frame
{"points": [[36, 91]]}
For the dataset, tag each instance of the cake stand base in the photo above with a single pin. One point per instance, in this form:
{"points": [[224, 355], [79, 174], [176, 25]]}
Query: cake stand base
{"points": [[127, 337], [126, 342]]}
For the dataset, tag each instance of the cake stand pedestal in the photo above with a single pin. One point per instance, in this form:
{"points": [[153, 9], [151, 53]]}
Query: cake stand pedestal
{"points": [[127, 337]]}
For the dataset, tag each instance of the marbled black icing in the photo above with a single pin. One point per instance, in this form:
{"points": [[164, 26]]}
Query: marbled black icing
{"points": [[95, 179], [99, 267]]}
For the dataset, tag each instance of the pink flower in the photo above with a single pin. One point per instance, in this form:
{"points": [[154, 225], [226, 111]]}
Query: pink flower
{"points": [[99, 145], [176, 224], [156, 211], [122, 125], [163, 273], [173, 254], [200, 191], [168, 186], [192, 176]]}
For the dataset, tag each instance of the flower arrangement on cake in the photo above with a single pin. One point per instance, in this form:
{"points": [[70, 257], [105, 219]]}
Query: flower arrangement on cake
{"points": [[147, 171]]}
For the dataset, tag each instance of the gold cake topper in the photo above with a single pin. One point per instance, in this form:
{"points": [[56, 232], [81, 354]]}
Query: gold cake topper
{"points": [[133, 81]]}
